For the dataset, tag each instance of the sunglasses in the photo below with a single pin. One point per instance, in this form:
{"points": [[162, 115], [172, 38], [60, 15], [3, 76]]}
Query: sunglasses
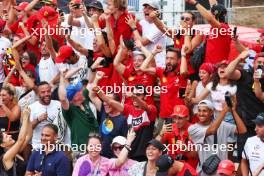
{"points": [[183, 18], [115, 148]]}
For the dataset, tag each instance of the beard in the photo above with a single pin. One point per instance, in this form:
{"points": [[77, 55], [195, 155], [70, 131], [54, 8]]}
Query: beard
{"points": [[170, 68], [45, 99]]}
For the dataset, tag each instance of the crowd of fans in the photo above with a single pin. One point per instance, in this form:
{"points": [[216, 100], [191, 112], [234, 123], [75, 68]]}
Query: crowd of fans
{"points": [[97, 92]]}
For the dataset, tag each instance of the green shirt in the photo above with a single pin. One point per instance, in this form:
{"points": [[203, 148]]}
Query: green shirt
{"points": [[80, 122]]}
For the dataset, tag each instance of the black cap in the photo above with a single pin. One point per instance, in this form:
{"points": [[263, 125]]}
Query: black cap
{"points": [[219, 11], [259, 119], [163, 165], [96, 4], [156, 144]]}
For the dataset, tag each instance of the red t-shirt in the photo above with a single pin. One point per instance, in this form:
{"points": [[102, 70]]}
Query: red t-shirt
{"points": [[31, 24], [139, 118], [171, 138], [132, 79], [170, 91], [187, 170], [105, 81], [218, 44], [120, 27], [178, 42]]}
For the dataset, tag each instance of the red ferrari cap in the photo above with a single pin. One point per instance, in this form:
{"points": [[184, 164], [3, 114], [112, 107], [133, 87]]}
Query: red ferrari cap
{"points": [[181, 111], [21, 6], [65, 51]]}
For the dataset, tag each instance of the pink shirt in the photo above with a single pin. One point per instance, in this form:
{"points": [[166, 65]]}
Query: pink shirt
{"points": [[85, 167], [120, 171]]}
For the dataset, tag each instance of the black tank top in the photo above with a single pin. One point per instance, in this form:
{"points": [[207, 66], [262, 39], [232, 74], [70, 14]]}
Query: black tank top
{"points": [[6, 125]]}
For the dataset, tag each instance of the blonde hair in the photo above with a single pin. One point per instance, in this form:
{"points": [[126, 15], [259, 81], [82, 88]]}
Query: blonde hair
{"points": [[120, 4], [11, 91]]}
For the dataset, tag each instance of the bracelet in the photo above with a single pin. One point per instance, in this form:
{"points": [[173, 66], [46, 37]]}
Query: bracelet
{"points": [[196, 4], [127, 147], [133, 29]]}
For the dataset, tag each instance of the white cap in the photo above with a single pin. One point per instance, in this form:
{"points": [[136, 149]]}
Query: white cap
{"points": [[120, 140], [206, 103], [153, 3]]}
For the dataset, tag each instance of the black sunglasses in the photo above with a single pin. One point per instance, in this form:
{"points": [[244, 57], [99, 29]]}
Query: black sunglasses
{"points": [[114, 148], [183, 18]]}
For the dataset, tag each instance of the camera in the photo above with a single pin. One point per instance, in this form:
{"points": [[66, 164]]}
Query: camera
{"points": [[228, 99]]}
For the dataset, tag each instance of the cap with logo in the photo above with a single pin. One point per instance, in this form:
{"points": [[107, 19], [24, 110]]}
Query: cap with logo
{"points": [[226, 167], [180, 111], [163, 165]]}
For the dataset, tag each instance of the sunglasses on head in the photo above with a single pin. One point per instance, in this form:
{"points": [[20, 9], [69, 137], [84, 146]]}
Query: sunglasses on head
{"points": [[183, 18], [114, 148]]}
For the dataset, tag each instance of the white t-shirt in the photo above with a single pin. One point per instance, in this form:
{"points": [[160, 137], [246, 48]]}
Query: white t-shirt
{"points": [[4, 44], [254, 149], [218, 95], [26, 100], [83, 35], [152, 33], [54, 112], [81, 74], [47, 69]]}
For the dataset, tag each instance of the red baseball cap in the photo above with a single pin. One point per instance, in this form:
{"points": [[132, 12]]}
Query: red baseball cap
{"points": [[261, 31], [226, 167], [47, 11], [207, 67], [65, 51], [181, 111], [76, 1], [21, 6]]}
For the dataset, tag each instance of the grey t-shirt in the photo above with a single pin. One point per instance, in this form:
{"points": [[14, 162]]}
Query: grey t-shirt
{"points": [[205, 145]]}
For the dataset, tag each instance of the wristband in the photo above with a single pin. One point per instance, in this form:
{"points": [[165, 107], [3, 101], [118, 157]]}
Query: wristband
{"points": [[127, 147], [196, 4], [133, 29]]}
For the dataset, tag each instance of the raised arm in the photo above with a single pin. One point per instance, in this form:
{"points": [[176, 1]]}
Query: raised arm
{"points": [[21, 41], [183, 66], [141, 103], [62, 93], [145, 65], [118, 58], [215, 125], [99, 36], [205, 14], [115, 104], [257, 86], [33, 39], [86, 18], [48, 41], [132, 22], [78, 47], [170, 32], [31, 5], [109, 31], [122, 158], [231, 71], [201, 96], [96, 101], [7, 79], [8, 158], [71, 20], [28, 81]]}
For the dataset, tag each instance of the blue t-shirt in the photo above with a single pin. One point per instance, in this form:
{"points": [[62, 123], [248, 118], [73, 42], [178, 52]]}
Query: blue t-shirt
{"points": [[55, 163], [110, 128]]}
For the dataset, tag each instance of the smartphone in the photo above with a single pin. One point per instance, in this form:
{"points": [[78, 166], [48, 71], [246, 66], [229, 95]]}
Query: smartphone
{"points": [[228, 99], [168, 121], [61, 12], [235, 31], [182, 92], [104, 63], [260, 71]]}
